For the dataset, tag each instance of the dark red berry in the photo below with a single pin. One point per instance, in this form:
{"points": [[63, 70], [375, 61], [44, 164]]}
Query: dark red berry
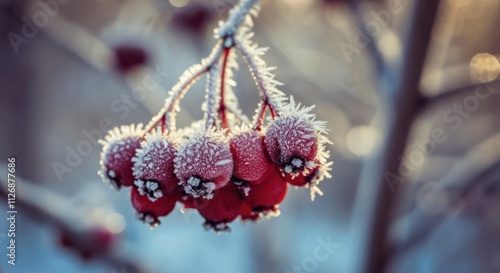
{"points": [[149, 211], [129, 57], [246, 213], [266, 196], [193, 17], [249, 155], [302, 180], [222, 209], [119, 147], [154, 166]]}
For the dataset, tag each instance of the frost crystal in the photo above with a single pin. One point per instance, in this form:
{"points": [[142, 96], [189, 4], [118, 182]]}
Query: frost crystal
{"points": [[154, 163], [116, 157], [204, 162]]}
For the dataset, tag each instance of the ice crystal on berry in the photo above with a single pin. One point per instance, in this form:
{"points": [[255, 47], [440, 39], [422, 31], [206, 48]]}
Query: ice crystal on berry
{"points": [[153, 167], [250, 159], [204, 163], [119, 147]]}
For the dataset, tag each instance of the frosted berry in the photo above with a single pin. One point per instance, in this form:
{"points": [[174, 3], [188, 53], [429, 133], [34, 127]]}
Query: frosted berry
{"points": [[149, 211], [119, 147], [153, 168], [266, 196], [222, 209], [128, 57], [291, 142], [203, 164], [249, 155]]}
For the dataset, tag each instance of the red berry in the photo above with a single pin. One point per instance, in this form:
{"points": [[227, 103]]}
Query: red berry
{"points": [[222, 209], [292, 142], [302, 180], [128, 57], [149, 211], [250, 159], [265, 196], [246, 213], [96, 241], [154, 166], [203, 164], [116, 158]]}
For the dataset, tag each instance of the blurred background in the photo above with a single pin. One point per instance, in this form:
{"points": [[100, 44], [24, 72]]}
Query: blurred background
{"points": [[59, 86]]}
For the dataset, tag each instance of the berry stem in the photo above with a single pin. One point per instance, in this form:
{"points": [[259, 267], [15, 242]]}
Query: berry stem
{"points": [[222, 105], [189, 77], [264, 82], [211, 96], [259, 118], [225, 34]]}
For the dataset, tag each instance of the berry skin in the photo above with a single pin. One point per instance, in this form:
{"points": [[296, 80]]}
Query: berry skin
{"points": [[265, 196], [129, 57], [119, 147], [203, 164], [302, 180], [291, 142], [149, 211], [247, 214], [249, 155], [222, 209], [154, 166]]}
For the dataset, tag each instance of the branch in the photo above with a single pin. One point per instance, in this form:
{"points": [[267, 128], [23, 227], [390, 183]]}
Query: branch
{"points": [[448, 95], [465, 175], [44, 206], [380, 62], [374, 200]]}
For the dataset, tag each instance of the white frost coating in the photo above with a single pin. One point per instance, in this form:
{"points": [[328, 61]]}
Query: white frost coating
{"points": [[297, 162], [211, 97], [118, 135], [193, 181], [237, 15], [288, 169], [223, 162], [263, 76]]}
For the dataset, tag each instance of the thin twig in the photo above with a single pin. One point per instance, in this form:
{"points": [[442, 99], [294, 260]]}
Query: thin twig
{"points": [[222, 103], [466, 174], [380, 62], [449, 95]]}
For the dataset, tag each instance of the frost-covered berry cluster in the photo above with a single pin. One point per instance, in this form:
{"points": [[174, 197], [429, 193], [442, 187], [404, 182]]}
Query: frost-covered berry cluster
{"points": [[224, 166]]}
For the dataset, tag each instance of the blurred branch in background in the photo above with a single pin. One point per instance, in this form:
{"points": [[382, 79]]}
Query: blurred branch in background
{"points": [[470, 171], [46, 207], [374, 200]]}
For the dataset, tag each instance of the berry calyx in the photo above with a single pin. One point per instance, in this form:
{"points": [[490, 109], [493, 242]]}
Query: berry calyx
{"points": [[153, 168], [249, 155], [302, 180], [119, 147], [266, 196], [204, 164], [222, 209], [149, 211]]}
